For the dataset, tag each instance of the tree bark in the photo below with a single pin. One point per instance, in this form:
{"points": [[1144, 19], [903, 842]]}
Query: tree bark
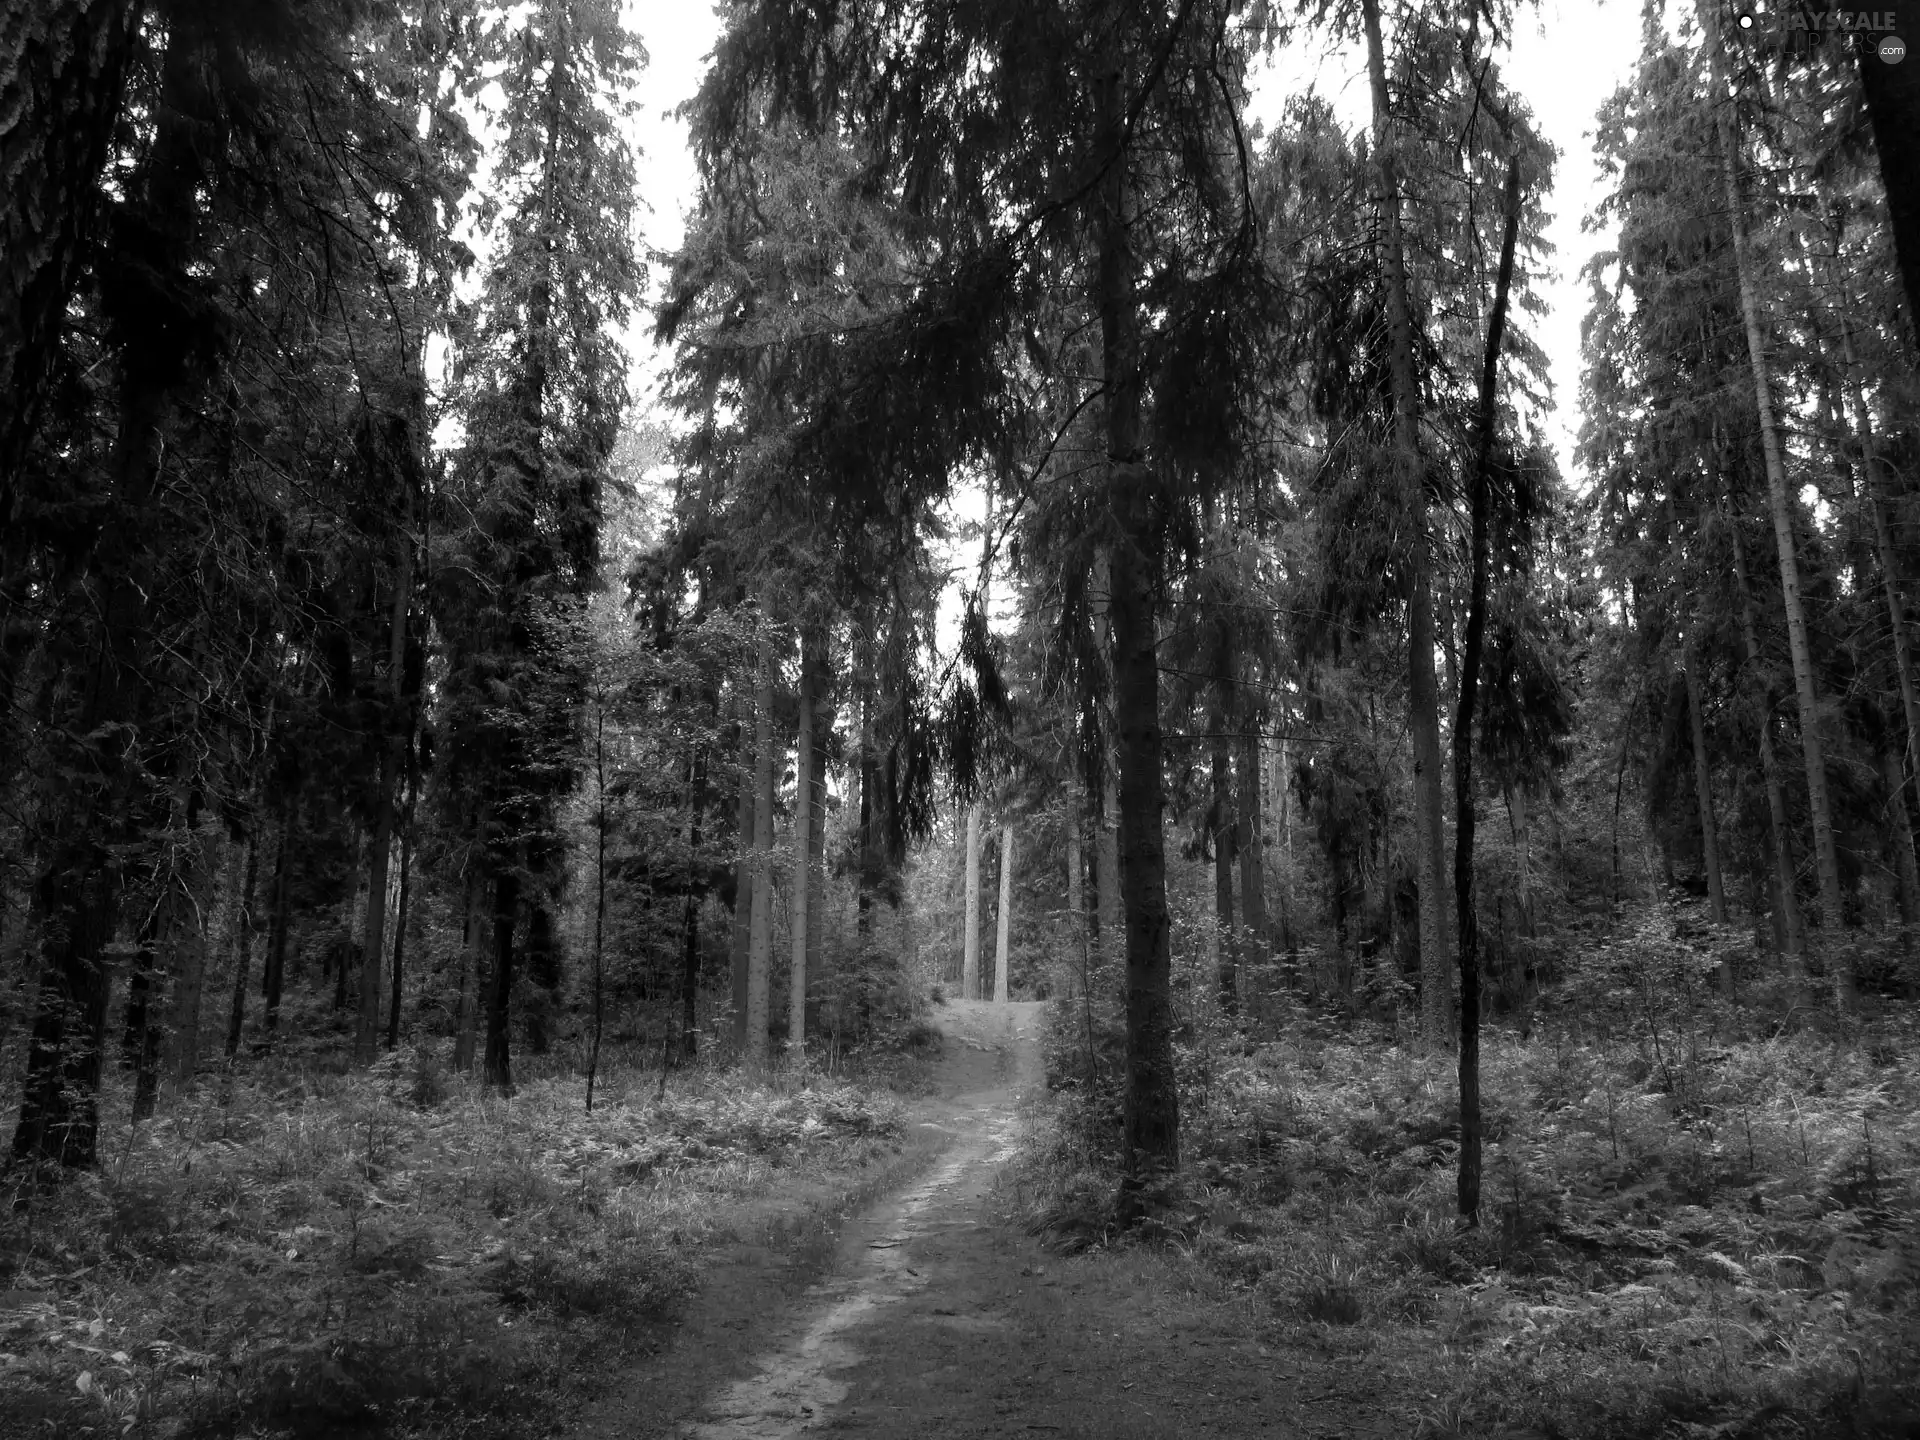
{"points": [[1423, 691], [1899, 827], [743, 878], [1480, 505], [1782, 846], [1703, 790], [690, 918], [760, 938], [1251, 838], [1151, 1104], [1003, 930], [246, 930], [400, 908], [1826, 856], [497, 1066], [1076, 967], [373, 953], [273, 977], [803, 760], [193, 937], [1225, 828], [970, 930], [466, 1015]]}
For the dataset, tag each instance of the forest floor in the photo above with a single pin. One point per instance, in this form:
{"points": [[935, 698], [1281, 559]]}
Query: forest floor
{"points": [[938, 1316]]}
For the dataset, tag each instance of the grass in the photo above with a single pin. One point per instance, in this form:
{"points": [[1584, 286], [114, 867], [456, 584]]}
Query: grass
{"points": [[1691, 1224], [303, 1253]]}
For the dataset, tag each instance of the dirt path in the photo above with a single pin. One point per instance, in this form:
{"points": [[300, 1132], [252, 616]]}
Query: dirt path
{"points": [[934, 1320]]}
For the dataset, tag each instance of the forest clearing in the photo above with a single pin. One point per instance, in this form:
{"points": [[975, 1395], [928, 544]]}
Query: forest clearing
{"points": [[1039, 753]]}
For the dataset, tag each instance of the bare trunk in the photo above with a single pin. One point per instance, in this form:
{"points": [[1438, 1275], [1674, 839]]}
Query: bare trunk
{"points": [[1782, 842], [1423, 691], [1227, 955], [760, 938], [1151, 1105], [1251, 838], [497, 1065], [1003, 930], [1900, 842], [193, 938], [246, 930], [1076, 966], [373, 952], [1703, 792], [1826, 856], [743, 878], [970, 941], [803, 760], [466, 1017], [274, 977]]}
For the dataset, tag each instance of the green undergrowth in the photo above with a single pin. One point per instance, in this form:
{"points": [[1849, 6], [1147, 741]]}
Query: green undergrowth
{"points": [[1690, 1226], [315, 1254]]}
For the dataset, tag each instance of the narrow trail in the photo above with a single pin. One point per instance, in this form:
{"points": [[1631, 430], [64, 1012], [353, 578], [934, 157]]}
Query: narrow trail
{"points": [[933, 1319], [893, 1252]]}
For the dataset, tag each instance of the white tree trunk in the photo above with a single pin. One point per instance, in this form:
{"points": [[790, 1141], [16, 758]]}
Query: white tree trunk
{"points": [[1000, 958]]}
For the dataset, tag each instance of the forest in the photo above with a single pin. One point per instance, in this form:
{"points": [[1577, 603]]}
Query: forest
{"points": [[1082, 769]]}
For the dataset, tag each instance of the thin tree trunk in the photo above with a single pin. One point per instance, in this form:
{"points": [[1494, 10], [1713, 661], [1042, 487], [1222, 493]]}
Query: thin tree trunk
{"points": [[1111, 934], [373, 952], [743, 878], [1225, 828], [803, 760], [690, 919], [497, 1066], [143, 1036], [1900, 841], [1423, 691], [1480, 504], [246, 929], [1076, 966], [817, 840], [760, 938], [193, 939], [1251, 839], [1826, 856], [600, 888], [1789, 904], [970, 929], [1703, 790], [400, 915], [466, 1018], [1003, 931], [273, 978], [1151, 1104]]}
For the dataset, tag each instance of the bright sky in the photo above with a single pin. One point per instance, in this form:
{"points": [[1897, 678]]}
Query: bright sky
{"points": [[1568, 55]]}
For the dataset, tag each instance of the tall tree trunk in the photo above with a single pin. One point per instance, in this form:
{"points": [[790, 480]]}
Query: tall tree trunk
{"points": [[76, 896], [466, 1015], [970, 929], [1874, 474], [1480, 505], [1423, 691], [144, 1036], [803, 761], [273, 976], [1826, 856], [194, 938], [400, 909], [1225, 828], [373, 951], [1151, 1104], [1003, 930], [1781, 835], [543, 973], [690, 919], [1076, 967], [497, 1066], [817, 836], [743, 878], [760, 938], [599, 997], [1900, 841], [1110, 932], [1251, 844], [63, 70], [1703, 789], [246, 929]]}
